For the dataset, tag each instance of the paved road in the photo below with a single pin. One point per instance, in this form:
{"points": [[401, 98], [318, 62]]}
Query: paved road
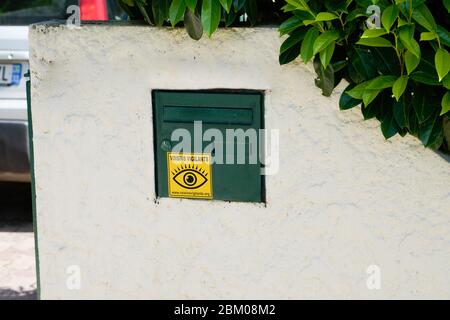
{"points": [[17, 264]]}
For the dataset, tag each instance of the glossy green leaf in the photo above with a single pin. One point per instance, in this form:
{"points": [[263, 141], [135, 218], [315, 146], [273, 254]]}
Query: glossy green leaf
{"points": [[239, 4], [369, 95], [445, 104], [401, 22], [442, 62], [406, 35], [193, 25], [365, 3], [326, 16], [447, 5], [446, 82], [325, 77], [290, 49], [413, 122], [290, 25], [427, 66], [230, 18], [346, 101], [324, 40], [308, 22], [327, 54], [374, 42], [385, 60], [354, 14], [423, 16], [339, 65], [370, 111], [315, 6], [399, 87], [160, 9], [422, 105], [389, 16], [405, 5], [361, 91], [430, 132], [335, 5], [444, 35], [381, 82], [375, 109], [286, 8], [411, 62], [226, 4], [306, 51], [358, 91], [373, 33], [298, 4], [424, 77], [295, 38], [389, 126], [251, 8], [401, 113], [176, 11], [211, 11], [191, 4], [428, 36], [361, 65], [289, 55]]}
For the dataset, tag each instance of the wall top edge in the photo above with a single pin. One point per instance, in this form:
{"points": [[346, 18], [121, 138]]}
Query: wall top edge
{"points": [[143, 24]]}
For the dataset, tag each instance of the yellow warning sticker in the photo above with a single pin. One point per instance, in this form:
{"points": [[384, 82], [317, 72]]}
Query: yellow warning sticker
{"points": [[189, 175]]}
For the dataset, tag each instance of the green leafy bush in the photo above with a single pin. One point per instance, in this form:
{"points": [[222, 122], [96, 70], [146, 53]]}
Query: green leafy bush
{"points": [[394, 56], [398, 70], [204, 15]]}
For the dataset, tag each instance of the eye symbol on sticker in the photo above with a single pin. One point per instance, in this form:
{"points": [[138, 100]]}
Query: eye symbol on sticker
{"points": [[190, 178]]}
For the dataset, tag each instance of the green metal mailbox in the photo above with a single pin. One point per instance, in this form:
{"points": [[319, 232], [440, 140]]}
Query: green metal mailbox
{"points": [[222, 129]]}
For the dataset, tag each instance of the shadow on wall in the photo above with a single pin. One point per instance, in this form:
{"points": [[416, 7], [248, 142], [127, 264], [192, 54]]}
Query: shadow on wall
{"points": [[15, 203], [9, 294], [444, 155], [446, 145]]}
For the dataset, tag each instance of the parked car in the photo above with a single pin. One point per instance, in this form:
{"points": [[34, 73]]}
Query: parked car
{"points": [[15, 16]]}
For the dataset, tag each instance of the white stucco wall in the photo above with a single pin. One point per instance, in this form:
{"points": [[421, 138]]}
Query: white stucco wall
{"points": [[344, 198]]}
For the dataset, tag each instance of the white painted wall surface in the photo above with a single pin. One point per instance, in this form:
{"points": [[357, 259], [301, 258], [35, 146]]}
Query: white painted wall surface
{"points": [[344, 198]]}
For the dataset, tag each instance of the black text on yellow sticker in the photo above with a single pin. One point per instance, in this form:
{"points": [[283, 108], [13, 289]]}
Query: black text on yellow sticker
{"points": [[189, 175]]}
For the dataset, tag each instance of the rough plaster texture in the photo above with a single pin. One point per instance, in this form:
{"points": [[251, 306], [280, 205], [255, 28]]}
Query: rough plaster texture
{"points": [[344, 198]]}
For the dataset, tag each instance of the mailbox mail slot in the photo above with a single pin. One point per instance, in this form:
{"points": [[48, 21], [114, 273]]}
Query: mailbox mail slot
{"points": [[208, 115], [220, 166]]}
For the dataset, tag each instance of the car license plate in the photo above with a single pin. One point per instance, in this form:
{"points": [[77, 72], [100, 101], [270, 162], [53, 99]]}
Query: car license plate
{"points": [[10, 74]]}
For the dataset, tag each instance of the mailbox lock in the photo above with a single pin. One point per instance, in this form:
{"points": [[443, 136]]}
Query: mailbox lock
{"points": [[166, 145]]}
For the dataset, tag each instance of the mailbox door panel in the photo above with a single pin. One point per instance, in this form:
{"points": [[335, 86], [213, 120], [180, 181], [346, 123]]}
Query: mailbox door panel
{"points": [[230, 115]]}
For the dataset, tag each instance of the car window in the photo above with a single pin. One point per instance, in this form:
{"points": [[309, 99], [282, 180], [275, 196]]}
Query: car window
{"points": [[24, 12]]}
